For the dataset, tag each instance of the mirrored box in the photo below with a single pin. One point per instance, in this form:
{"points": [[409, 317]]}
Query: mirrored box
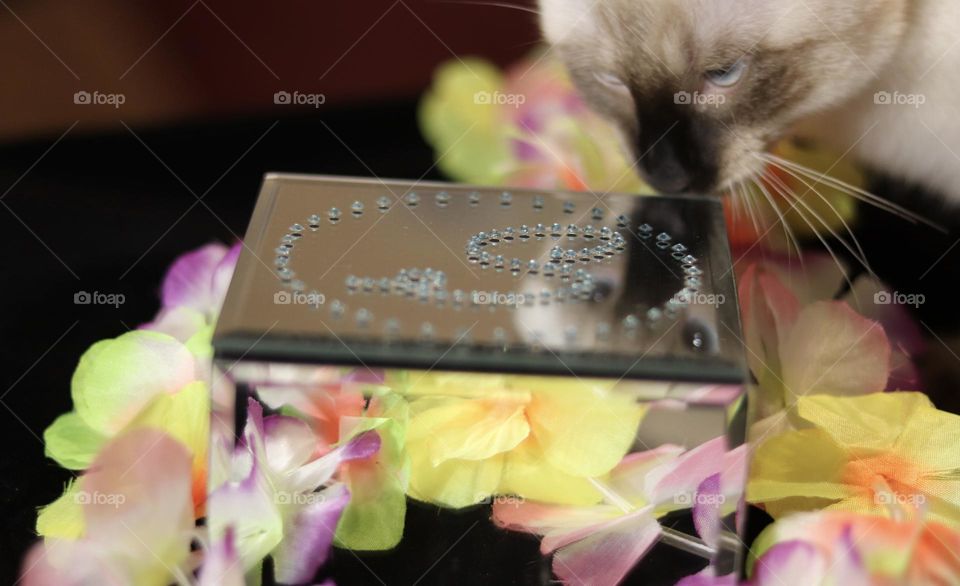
{"points": [[551, 351]]}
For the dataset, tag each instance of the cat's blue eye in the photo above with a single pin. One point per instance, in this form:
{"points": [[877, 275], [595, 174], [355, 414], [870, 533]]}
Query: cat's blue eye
{"points": [[727, 76]]}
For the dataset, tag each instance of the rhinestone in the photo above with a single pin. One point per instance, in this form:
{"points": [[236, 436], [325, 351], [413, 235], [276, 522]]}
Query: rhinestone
{"points": [[568, 207], [505, 198], [589, 231], [443, 198], [549, 269], [494, 236], [352, 282], [645, 230], [623, 221], [533, 266], [363, 317], [570, 255], [556, 253], [597, 213], [631, 322], [678, 247], [356, 208], [391, 327], [603, 331], [412, 199], [508, 233], [296, 228], [336, 308], [383, 203], [484, 258], [606, 233], [692, 271], [368, 284], [538, 202], [474, 198], [498, 262], [333, 214], [426, 330], [458, 296], [585, 254], [556, 229], [572, 231], [288, 240], [524, 231], [689, 260], [314, 220], [281, 261], [540, 230], [282, 250], [285, 273], [663, 237], [654, 314]]}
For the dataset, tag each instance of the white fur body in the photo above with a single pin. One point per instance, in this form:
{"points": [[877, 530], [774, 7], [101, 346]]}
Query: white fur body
{"points": [[916, 142]]}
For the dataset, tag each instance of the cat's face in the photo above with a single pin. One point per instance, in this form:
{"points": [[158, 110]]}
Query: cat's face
{"points": [[696, 87]]}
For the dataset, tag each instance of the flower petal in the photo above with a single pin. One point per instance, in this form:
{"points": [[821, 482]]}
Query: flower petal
{"points": [[832, 350], [190, 279], [607, 556], [116, 378], [221, 564], [71, 442], [306, 545], [583, 427]]}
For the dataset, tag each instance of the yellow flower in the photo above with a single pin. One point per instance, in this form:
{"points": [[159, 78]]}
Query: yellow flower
{"points": [[882, 453], [473, 436]]}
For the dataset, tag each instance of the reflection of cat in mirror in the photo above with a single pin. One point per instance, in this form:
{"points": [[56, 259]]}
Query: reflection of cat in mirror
{"points": [[701, 88]]}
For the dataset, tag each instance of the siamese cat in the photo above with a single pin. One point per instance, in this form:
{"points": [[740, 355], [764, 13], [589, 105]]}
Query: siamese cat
{"points": [[700, 89]]}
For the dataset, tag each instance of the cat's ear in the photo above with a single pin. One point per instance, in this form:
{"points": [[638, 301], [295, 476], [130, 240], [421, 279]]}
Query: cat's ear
{"points": [[563, 19]]}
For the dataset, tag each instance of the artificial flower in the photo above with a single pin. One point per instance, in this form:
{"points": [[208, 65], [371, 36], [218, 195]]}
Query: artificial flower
{"points": [[882, 453], [794, 350], [336, 408], [137, 524], [281, 499], [473, 436], [878, 549], [139, 379], [193, 291], [528, 128], [600, 543]]}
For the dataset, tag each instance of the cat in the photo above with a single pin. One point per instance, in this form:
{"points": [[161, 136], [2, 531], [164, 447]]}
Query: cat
{"points": [[700, 89]]}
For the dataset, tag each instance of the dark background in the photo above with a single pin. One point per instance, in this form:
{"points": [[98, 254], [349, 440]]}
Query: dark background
{"points": [[98, 199]]}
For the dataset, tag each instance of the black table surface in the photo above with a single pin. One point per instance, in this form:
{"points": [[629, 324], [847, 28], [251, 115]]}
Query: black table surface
{"points": [[109, 212]]}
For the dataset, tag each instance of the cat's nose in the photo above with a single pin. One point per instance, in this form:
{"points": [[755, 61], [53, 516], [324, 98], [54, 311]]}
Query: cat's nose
{"points": [[663, 169]]}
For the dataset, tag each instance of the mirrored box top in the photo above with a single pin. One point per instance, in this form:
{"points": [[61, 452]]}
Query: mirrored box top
{"points": [[427, 275]]}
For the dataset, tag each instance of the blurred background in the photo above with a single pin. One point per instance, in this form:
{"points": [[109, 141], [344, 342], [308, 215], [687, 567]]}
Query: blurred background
{"points": [[213, 59]]}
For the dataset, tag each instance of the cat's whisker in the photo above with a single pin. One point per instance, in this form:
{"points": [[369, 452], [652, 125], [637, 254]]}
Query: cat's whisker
{"points": [[735, 203], [748, 201], [494, 4], [853, 238], [788, 232], [789, 194], [853, 191]]}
